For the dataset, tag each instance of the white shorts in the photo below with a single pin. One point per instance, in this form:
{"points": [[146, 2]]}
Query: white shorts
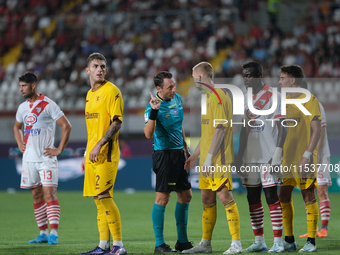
{"points": [[43, 173], [324, 175], [258, 175]]}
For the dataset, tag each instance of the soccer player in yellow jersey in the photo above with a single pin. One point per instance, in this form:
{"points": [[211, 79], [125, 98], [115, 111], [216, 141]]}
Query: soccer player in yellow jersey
{"points": [[216, 152], [299, 155], [104, 116]]}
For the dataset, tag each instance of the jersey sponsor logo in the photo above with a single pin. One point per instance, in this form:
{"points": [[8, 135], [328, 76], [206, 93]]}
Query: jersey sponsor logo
{"points": [[30, 119], [33, 131], [205, 121], [175, 112], [94, 115], [256, 127], [252, 115]]}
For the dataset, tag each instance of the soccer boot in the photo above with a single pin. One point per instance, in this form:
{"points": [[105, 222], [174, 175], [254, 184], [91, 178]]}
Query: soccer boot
{"points": [[322, 233], [42, 238], [234, 249], [277, 248], [119, 250], [183, 246], [309, 247], [304, 236], [96, 251], [257, 246], [164, 248], [289, 246], [199, 248], [52, 239]]}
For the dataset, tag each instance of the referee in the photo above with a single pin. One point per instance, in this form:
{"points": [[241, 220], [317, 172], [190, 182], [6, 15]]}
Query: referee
{"points": [[163, 119]]}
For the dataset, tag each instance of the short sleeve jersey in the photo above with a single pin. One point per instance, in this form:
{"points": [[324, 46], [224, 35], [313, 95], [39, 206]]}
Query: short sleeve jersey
{"points": [[298, 137], [168, 132], [103, 105], [326, 150], [39, 121], [217, 111], [261, 133]]}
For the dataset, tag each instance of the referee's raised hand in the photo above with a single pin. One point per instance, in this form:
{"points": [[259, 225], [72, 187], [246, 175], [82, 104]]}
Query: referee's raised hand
{"points": [[154, 102]]}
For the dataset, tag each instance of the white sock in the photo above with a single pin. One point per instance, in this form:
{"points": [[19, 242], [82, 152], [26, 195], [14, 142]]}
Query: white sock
{"points": [[277, 239], [259, 238], [104, 244], [237, 242], [45, 231], [54, 231], [206, 242], [118, 243]]}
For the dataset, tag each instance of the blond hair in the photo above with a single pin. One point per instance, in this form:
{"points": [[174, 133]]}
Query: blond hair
{"points": [[205, 68]]}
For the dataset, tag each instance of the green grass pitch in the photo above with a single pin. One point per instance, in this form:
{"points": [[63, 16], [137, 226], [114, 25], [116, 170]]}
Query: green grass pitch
{"points": [[78, 229]]}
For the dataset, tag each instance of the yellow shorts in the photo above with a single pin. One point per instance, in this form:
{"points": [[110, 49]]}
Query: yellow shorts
{"points": [[293, 178], [216, 180], [99, 178]]}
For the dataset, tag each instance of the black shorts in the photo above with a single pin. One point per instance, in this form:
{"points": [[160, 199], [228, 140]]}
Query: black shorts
{"points": [[168, 166]]}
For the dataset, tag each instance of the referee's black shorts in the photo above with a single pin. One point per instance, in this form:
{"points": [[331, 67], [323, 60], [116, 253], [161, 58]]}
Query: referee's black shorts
{"points": [[168, 166]]}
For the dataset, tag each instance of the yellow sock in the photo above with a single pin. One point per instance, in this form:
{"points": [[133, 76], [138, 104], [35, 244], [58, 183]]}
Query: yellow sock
{"points": [[288, 218], [233, 218], [208, 220], [113, 218], [312, 217], [103, 227]]}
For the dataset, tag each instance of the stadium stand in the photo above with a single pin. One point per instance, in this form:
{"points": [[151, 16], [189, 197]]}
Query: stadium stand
{"points": [[140, 38]]}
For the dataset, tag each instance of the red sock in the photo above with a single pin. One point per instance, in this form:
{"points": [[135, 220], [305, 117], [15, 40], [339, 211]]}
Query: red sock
{"points": [[325, 211], [276, 217], [256, 217], [53, 213], [40, 214]]}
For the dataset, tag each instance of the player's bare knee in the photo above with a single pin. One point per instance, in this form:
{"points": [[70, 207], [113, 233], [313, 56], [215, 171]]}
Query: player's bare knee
{"points": [[308, 195], [271, 195], [184, 196], [162, 198], [225, 196], [37, 194], [322, 193]]}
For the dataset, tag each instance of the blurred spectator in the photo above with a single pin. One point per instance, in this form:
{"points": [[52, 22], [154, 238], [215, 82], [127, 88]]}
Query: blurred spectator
{"points": [[125, 150]]}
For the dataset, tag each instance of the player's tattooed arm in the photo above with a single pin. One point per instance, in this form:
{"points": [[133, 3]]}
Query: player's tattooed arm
{"points": [[113, 129]]}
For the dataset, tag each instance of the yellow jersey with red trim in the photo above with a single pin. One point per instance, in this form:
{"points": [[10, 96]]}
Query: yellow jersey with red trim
{"points": [[222, 114], [298, 137], [103, 105]]}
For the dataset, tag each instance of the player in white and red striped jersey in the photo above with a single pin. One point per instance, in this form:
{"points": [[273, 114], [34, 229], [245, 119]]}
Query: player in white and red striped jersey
{"points": [[38, 114], [262, 142], [324, 177]]}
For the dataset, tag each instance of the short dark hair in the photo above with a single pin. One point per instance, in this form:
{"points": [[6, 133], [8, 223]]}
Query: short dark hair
{"points": [[94, 56], [252, 64], [29, 78], [304, 84], [159, 78], [294, 71]]}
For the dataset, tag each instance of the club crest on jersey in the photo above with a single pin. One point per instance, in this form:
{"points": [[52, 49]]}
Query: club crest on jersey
{"points": [[175, 112], [252, 115], [38, 109], [30, 119], [262, 101]]}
